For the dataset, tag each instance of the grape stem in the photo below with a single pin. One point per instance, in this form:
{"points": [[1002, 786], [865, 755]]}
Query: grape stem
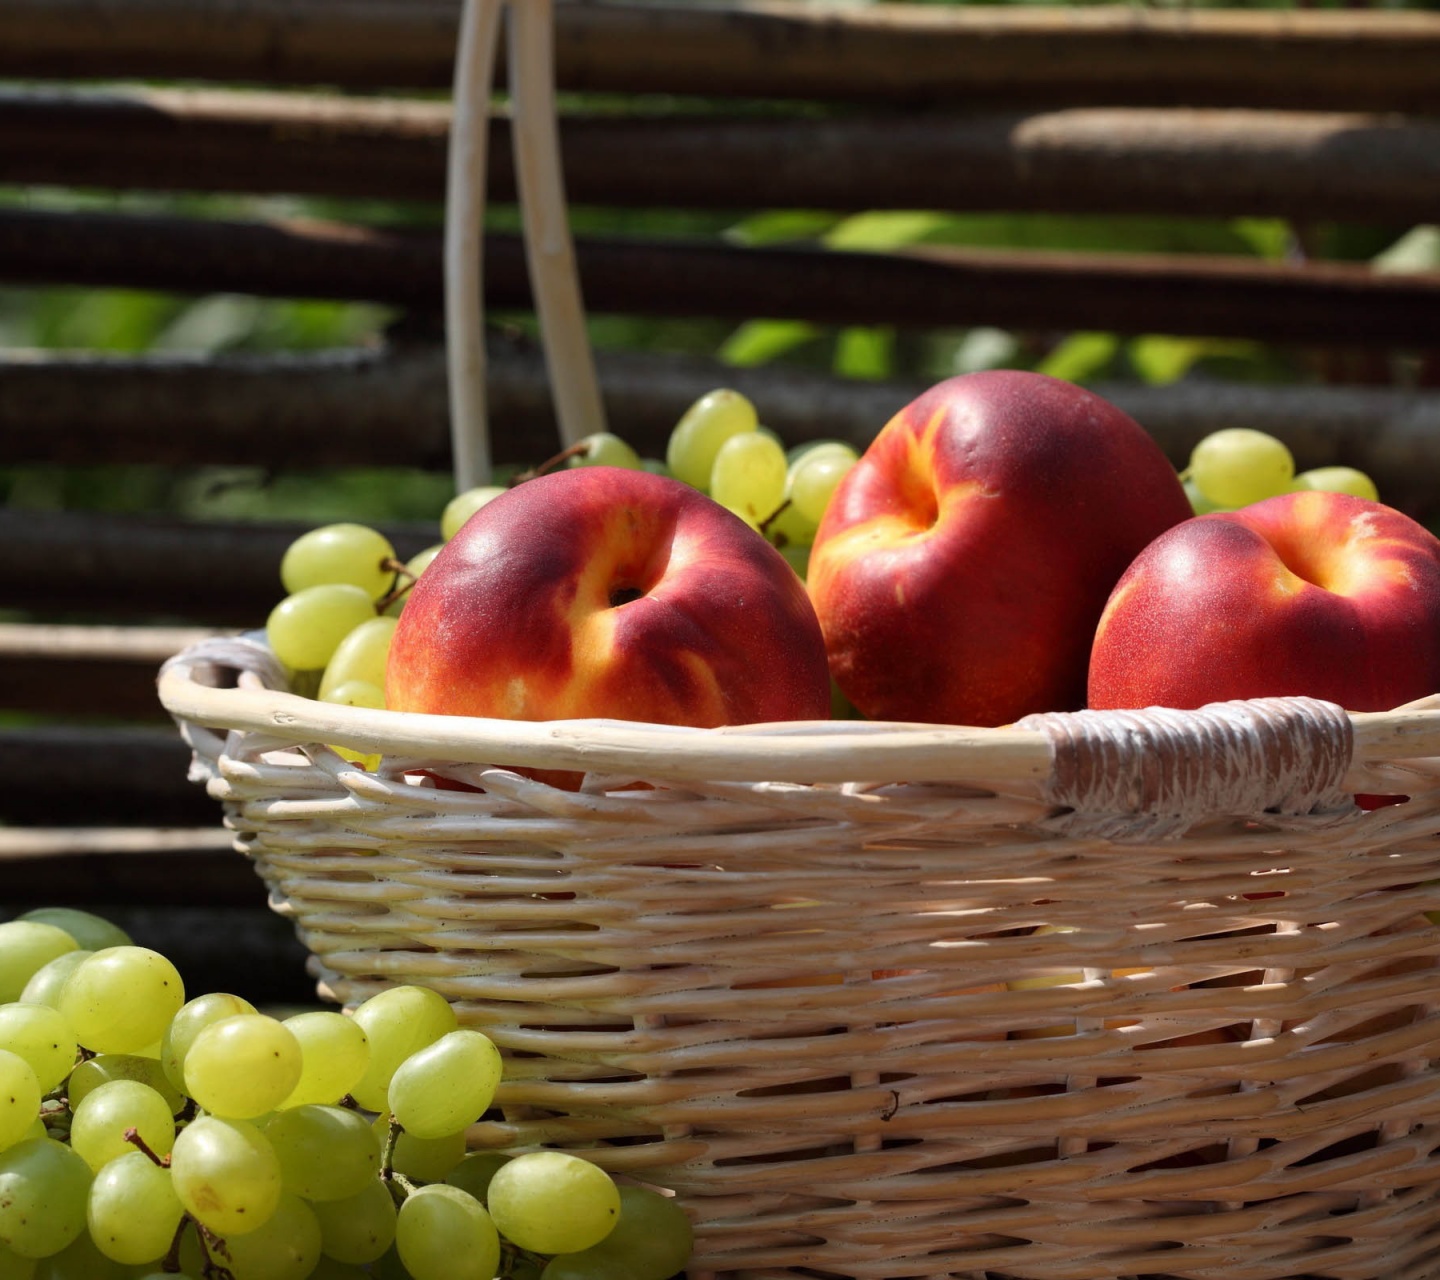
{"points": [[404, 580], [132, 1136], [170, 1264], [212, 1270], [511, 1254], [577, 450], [772, 517], [400, 1186]]}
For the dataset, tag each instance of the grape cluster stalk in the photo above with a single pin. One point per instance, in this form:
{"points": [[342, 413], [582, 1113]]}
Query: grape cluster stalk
{"points": [[145, 1136]]}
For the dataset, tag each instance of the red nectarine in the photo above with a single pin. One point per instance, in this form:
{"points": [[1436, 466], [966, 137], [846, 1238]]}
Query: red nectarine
{"points": [[963, 562], [1309, 593], [612, 593]]}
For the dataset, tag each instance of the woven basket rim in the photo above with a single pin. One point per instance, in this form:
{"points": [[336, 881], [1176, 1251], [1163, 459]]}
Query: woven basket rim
{"points": [[812, 751]]}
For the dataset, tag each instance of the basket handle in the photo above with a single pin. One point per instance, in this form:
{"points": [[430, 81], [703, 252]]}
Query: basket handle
{"points": [[550, 253], [1144, 775]]}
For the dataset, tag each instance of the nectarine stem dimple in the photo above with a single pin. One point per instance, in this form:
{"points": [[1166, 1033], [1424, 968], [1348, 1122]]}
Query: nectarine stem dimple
{"points": [[624, 595]]}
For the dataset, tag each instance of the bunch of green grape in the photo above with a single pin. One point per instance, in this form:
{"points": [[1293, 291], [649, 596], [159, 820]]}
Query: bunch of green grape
{"points": [[1239, 465], [344, 590], [144, 1135], [720, 447]]}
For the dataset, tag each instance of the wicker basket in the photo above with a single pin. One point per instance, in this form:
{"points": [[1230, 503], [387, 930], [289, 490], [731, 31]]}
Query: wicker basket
{"points": [[1124, 995]]}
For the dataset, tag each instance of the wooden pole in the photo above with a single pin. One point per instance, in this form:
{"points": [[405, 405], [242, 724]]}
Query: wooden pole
{"points": [[1110, 54], [1309, 165], [1324, 304]]}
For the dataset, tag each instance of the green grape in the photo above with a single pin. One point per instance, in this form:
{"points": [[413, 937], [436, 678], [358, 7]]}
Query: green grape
{"points": [[242, 1067], [121, 999], [798, 558], [655, 466], [42, 1037], [1199, 503], [306, 628], [464, 505], [389, 1267], [44, 1187], [226, 1174], [446, 1086], [474, 1172], [93, 1072], [20, 1096], [15, 1267], [286, 1246], [815, 449], [97, 1132], [788, 528], [359, 1228], [443, 1233], [81, 1259], [189, 1022], [553, 1202], [815, 477], [398, 1022], [1239, 465], [334, 1052], [45, 983], [653, 1239], [603, 449], [355, 693], [1333, 480], [133, 1210], [797, 451], [25, 945], [703, 428], [422, 1159], [421, 560], [596, 1263], [748, 476], [91, 932], [330, 1269], [325, 1152], [361, 656], [348, 553]]}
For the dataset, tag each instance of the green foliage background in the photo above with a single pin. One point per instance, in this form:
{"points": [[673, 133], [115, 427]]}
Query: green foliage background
{"points": [[129, 321]]}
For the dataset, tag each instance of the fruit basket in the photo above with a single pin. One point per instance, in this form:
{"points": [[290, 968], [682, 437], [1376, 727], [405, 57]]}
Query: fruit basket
{"points": [[1095, 995]]}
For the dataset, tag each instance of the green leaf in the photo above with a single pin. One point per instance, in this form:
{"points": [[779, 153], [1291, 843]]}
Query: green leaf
{"points": [[1268, 238], [885, 229], [1160, 359], [757, 341], [1080, 356], [780, 226], [863, 351]]}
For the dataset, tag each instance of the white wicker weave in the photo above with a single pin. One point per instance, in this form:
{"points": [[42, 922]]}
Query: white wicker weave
{"points": [[1096, 996]]}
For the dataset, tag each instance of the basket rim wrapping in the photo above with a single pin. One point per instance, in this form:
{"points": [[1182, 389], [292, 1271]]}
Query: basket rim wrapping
{"points": [[808, 751]]}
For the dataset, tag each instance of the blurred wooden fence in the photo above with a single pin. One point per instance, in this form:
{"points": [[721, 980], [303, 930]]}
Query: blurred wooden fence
{"points": [[1312, 115]]}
